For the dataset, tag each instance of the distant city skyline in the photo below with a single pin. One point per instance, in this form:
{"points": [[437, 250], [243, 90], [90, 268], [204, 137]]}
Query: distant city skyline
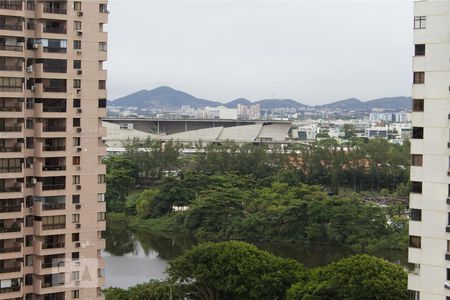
{"points": [[308, 51]]}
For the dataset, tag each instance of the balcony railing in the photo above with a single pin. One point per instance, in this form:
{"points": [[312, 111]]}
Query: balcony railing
{"points": [[17, 27], [52, 245], [55, 30], [54, 148], [10, 269], [13, 5], [10, 229], [11, 48], [54, 10], [55, 89], [15, 128], [55, 50], [51, 187], [14, 189], [51, 284], [54, 168], [53, 226], [10, 88], [53, 264], [10, 249], [10, 208], [11, 149], [10, 108], [55, 70], [53, 206], [10, 68], [11, 170], [10, 289], [54, 128], [53, 109]]}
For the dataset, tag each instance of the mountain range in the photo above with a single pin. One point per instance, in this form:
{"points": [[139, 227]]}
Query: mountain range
{"points": [[168, 98]]}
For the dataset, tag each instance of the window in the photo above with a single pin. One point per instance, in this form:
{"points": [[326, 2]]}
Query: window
{"points": [[76, 103], [417, 160], [29, 241], [419, 50], [76, 199], [101, 216], [75, 294], [29, 260], [29, 221], [76, 122], [101, 197], [420, 22], [77, 83], [76, 179], [75, 275], [417, 133], [414, 295], [75, 218], [102, 84], [415, 214], [418, 105], [417, 187], [30, 103], [76, 237], [448, 274], [77, 64], [77, 5], [103, 8], [75, 255], [29, 143], [419, 78], [101, 178], [76, 141], [415, 241], [28, 279], [76, 25], [102, 46], [77, 45], [29, 123], [101, 103], [76, 160]]}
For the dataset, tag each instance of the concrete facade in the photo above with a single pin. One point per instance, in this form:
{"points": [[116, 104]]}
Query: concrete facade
{"points": [[52, 180], [429, 202]]}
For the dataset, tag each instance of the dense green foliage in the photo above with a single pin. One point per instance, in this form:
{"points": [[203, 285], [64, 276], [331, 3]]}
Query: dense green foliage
{"points": [[237, 270], [354, 278]]}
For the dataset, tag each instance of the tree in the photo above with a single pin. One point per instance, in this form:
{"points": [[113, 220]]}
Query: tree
{"points": [[354, 278], [235, 270], [152, 290]]}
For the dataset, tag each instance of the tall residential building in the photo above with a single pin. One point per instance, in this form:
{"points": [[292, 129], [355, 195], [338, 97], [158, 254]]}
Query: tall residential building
{"points": [[429, 228], [52, 180]]}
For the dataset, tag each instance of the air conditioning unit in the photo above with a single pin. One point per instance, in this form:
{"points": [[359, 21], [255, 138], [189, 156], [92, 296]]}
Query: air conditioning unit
{"points": [[33, 88], [78, 225], [78, 244], [79, 32], [79, 72], [78, 187], [80, 13], [30, 69], [78, 91], [78, 129], [79, 110], [79, 52], [79, 149], [78, 168], [30, 210], [78, 206], [35, 46], [33, 180]]}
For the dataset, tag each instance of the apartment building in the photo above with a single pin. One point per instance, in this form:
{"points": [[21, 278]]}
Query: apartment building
{"points": [[52, 180], [429, 227]]}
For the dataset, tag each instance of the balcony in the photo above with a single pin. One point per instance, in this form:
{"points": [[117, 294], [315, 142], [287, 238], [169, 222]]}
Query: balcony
{"points": [[11, 108], [60, 30], [10, 269], [53, 148], [10, 289], [52, 284], [10, 249], [13, 89], [54, 89], [11, 47], [11, 208], [10, 169], [54, 10], [53, 206], [50, 128], [17, 68], [52, 187], [54, 168], [53, 245], [15, 228], [52, 227], [54, 50], [13, 189], [15, 27], [11, 5], [57, 264], [11, 149], [14, 128]]}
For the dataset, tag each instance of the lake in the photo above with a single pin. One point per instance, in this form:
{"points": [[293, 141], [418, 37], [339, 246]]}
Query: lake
{"points": [[133, 258]]}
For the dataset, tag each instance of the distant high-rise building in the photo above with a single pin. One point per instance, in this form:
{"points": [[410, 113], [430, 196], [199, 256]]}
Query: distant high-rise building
{"points": [[255, 112], [429, 226], [52, 180]]}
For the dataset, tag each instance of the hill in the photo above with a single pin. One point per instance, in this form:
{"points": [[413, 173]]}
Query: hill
{"points": [[356, 104], [280, 103], [234, 103]]}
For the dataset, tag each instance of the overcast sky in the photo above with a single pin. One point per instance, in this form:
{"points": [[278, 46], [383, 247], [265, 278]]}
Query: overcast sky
{"points": [[311, 51]]}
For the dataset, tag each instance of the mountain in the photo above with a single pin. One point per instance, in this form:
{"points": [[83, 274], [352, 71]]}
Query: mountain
{"points": [[162, 97], [234, 103], [356, 104], [279, 103]]}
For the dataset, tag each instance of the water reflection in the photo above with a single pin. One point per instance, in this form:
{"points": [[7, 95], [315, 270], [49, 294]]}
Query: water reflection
{"points": [[136, 257]]}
